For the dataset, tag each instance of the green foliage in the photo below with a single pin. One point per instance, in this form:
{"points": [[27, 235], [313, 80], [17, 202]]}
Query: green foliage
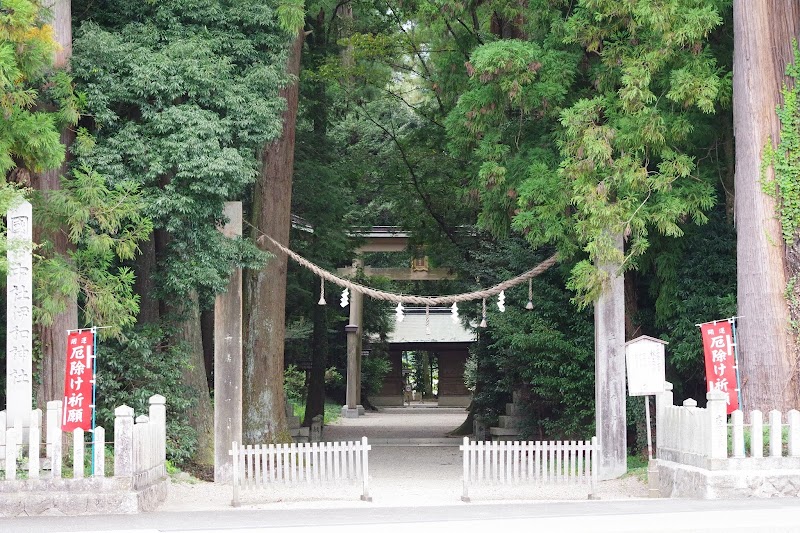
{"points": [[294, 384], [35, 103], [694, 282], [581, 130], [137, 366], [785, 158], [374, 368], [545, 353], [165, 122], [105, 225]]}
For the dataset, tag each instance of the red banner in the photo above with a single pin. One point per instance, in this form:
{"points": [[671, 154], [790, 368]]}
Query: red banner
{"points": [[721, 361], [79, 382]]}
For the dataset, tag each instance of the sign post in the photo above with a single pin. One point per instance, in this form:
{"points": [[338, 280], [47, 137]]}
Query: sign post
{"points": [[78, 407], [644, 359]]}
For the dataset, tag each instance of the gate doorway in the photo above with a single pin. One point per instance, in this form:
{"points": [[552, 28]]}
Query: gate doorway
{"points": [[429, 352]]}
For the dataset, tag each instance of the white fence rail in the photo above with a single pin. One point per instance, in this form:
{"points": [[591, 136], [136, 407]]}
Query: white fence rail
{"points": [[317, 462], [703, 437], [532, 462], [139, 449]]}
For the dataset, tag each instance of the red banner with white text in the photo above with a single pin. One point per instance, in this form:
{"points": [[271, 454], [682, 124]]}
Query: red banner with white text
{"points": [[79, 382], [720, 358]]}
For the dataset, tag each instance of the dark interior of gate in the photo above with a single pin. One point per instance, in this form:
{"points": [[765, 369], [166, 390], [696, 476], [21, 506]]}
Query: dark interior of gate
{"points": [[444, 342]]}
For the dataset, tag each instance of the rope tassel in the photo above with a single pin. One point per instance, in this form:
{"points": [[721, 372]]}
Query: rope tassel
{"points": [[529, 305], [483, 320], [427, 320], [321, 292]]}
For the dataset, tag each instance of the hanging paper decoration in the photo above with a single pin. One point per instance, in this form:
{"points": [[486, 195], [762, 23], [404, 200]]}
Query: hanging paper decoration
{"points": [[427, 320], [454, 313], [501, 301], [483, 320], [321, 292], [398, 312], [345, 297], [529, 305]]}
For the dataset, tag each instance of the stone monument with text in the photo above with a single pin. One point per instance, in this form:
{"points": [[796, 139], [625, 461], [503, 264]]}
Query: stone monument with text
{"points": [[19, 338]]}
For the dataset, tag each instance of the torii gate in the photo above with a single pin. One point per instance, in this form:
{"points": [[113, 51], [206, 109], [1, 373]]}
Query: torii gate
{"points": [[376, 239]]}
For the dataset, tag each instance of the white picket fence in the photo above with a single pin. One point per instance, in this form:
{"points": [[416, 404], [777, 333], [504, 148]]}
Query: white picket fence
{"points": [[702, 436], [531, 462], [139, 446], [317, 462]]}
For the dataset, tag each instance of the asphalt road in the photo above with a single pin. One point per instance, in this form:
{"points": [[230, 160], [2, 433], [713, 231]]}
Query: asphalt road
{"points": [[591, 516]]}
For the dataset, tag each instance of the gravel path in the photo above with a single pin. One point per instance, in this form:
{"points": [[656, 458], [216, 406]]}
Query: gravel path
{"points": [[400, 475]]}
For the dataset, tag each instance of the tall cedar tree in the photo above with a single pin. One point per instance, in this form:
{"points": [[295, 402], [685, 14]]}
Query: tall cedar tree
{"points": [[766, 261]]}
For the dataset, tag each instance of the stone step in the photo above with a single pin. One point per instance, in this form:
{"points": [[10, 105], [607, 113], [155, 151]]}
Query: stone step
{"points": [[510, 422], [507, 432]]}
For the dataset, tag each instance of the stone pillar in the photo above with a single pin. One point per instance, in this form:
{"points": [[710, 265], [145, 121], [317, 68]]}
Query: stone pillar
{"points": [[19, 322], [350, 410], [609, 349], [357, 309], [228, 359], [123, 441], [158, 416]]}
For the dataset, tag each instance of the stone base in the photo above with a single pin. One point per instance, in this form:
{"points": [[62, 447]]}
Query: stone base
{"points": [[683, 481], [386, 401], [653, 490], [349, 413], [361, 410], [454, 401], [71, 497]]}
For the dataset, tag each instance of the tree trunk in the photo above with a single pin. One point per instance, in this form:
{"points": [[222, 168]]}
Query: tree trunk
{"points": [[201, 416], [144, 285], [53, 338], [264, 417], [315, 399], [763, 33], [207, 330], [186, 316]]}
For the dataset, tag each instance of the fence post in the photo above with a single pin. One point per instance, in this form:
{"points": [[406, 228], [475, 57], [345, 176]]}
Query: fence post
{"points": [[78, 455], [466, 455], [158, 417], [794, 432], [141, 449], [737, 419], [756, 434], [595, 457], [717, 425], [53, 429], [33, 448], [365, 469], [11, 453], [775, 434], [662, 401], [99, 450], [123, 441]]}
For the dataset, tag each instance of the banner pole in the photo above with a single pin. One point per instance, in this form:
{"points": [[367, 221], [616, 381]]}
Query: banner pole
{"points": [[94, 395], [736, 361]]}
